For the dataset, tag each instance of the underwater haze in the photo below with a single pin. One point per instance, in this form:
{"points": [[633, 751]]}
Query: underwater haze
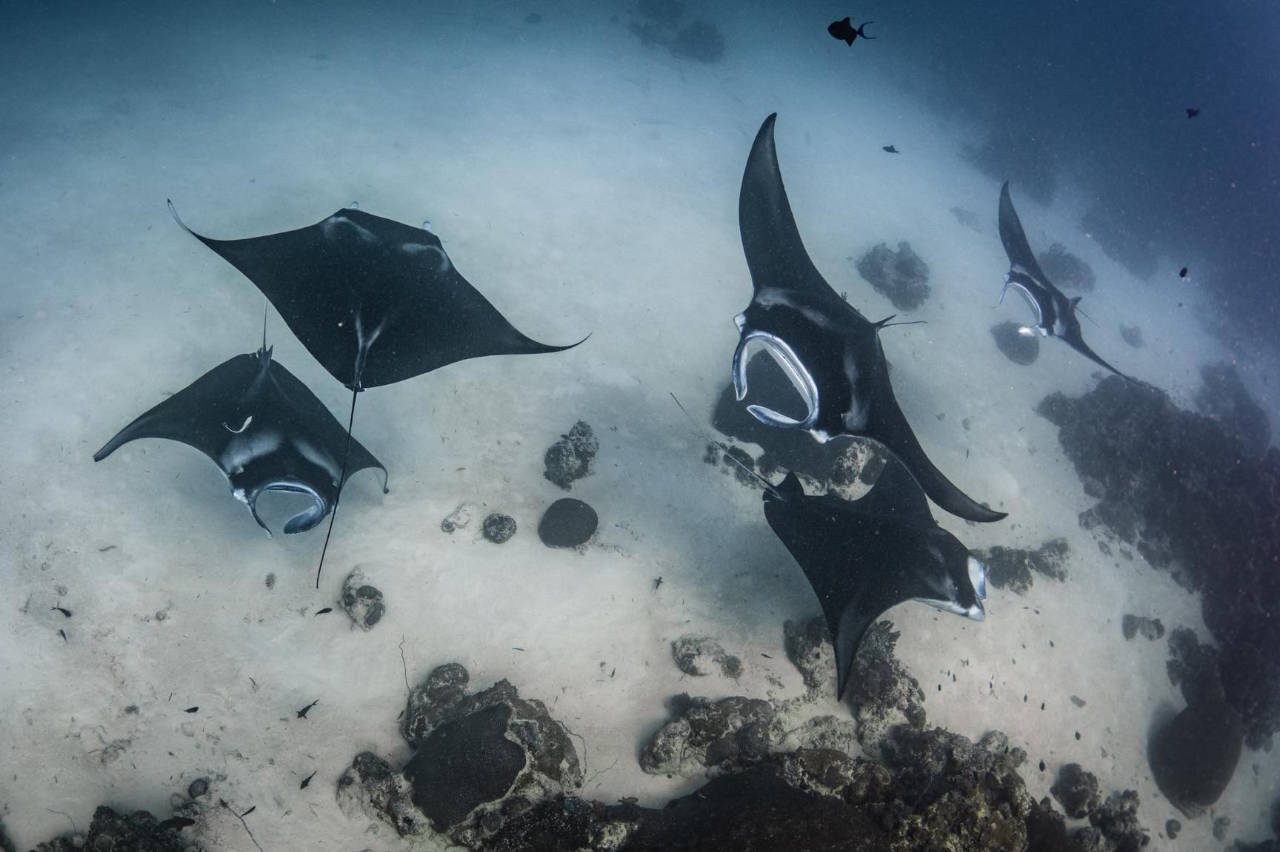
{"points": [[718, 514]]}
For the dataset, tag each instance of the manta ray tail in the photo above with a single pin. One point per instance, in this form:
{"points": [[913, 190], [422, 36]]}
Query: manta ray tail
{"points": [[342, 480]]}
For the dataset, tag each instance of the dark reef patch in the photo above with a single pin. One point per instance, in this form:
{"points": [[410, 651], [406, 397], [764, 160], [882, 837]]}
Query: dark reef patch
{"points": [[1013, 344], [935, 790], [1195, 500], [1066, 270], [658, 23], [901, 276], [135, 832], [1135, 625], [1010, 568], [1076, 790]]}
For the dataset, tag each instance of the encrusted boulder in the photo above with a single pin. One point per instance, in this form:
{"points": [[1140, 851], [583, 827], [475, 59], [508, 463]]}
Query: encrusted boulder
{"points": [[479, 759], [116, 832], [881, 692], [704, 734], [569, 458], [361, 601], [1076, 790], [701, 655], [808, 647], [371, 788], [968, 795]]}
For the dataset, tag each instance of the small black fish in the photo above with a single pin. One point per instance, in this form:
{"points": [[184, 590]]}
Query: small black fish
{"points": [[846, 32], [657, 581], [67, 613], [191, 709], [1192, 112], [176, 823], [324, 611], [1182, 273], [302, 714], [889, 149], [307, 780], [63, 633]]}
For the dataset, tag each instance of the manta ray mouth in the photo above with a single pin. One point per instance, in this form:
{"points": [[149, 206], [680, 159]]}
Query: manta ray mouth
{"points": [[978, 578], [792, 367], [302, 521]]}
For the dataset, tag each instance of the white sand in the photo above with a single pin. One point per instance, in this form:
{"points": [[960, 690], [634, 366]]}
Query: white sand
{"points": [[584, 184]]}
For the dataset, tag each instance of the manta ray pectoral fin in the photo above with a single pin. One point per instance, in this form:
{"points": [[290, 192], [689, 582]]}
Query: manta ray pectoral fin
{"points": [[889, 427], [847, 637]]}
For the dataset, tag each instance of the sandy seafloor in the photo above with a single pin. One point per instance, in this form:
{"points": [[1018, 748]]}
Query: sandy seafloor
{"points": [[584, 183]]}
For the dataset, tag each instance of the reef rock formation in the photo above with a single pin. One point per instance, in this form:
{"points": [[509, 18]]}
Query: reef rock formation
{"points": [[1076, 790], [479, 759], [900, 275], [569, 458], [1134, 625], [935, 791], [1194, 754], [1193, 499], [1010, 568], [703, 734]]}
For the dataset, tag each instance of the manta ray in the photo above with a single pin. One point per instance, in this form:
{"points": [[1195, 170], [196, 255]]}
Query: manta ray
{"points": [[264, 429], [866, 556], [1055, 313], [829, 351]]}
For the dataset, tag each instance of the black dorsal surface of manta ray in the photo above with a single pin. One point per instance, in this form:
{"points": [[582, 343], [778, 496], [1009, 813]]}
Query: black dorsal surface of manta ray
{"points": [[865, 556], [374, 301], [264, 429], [1055, 313], [829, 351]]}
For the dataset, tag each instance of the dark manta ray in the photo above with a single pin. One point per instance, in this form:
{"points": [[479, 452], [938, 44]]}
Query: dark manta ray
{"points": [[831, 353], [1055, 313], [374, 301], [865, 556], [264, 429]]}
